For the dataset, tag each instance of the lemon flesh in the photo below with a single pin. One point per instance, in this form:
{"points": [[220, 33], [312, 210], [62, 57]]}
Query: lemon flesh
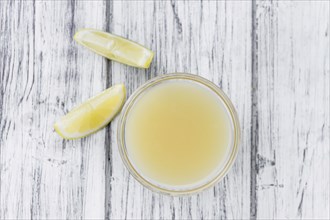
{"points": [[93, 114], [115, 48]]}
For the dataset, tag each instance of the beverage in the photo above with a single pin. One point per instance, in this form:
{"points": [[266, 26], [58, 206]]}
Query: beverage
{"points": [[178, 133]]}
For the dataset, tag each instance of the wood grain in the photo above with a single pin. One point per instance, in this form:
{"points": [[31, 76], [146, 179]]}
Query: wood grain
{"points": [[43, 75], [292, 60], [270, 57], [213, 40]]}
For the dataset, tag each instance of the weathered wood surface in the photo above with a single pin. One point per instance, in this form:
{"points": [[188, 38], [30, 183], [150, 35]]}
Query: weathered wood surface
{"points": [[43, 75], [292, 71], [212, 39], [271, 58]]}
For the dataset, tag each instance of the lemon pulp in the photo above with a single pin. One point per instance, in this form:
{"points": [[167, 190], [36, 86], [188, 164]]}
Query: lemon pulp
{"points": [[93, 114], [115, 48]]}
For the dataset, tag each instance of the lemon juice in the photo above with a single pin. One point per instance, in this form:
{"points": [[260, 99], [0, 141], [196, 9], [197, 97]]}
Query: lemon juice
{"points": [[178, 133]]}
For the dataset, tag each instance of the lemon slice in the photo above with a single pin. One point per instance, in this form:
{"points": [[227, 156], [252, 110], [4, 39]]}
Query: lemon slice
{"points": [[93, 114], [115, 48]]}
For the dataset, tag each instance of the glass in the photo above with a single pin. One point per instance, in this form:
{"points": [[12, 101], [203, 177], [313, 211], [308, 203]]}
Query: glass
{"points": [[207, 182]]}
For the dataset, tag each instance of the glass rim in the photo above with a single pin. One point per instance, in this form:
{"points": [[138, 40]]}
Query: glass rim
{"points": [[131, 101]]}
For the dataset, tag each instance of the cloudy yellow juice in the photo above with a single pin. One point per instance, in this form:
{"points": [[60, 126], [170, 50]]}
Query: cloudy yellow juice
{"points": [[178, 133]]}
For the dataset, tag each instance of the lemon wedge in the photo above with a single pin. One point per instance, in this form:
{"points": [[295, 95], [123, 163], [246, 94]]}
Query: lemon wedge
{"points": [[93, 114], [115, 48]]}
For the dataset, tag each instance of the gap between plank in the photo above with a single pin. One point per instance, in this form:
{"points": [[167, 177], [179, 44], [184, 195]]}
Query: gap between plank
{"points": [[107, 142], [254, 114]]}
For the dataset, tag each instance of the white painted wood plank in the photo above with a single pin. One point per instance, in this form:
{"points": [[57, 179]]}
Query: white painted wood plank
{"points": [[293, 109], [43, 75], [212, 39]]}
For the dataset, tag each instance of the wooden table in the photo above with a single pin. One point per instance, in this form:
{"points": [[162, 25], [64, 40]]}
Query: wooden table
{"points": [[270, 57]]}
